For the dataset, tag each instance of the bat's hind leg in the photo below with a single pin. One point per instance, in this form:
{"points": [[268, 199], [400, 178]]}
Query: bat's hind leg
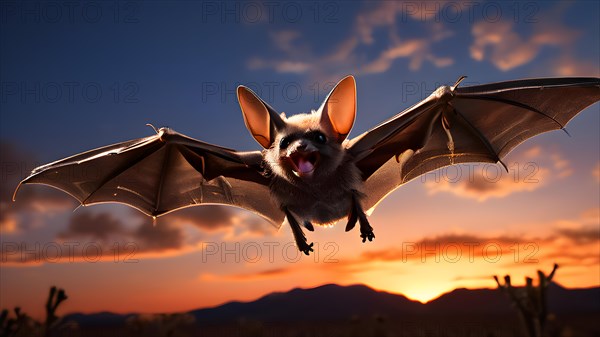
{"points": [[357, 213], [299, 236]]}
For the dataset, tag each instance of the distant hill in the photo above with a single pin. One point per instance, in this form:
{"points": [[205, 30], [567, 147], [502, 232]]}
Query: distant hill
{"points": [[561, 301], [327, 302], [334, 303]]}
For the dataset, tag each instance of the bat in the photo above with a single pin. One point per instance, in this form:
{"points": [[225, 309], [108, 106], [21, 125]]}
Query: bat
{"points": [[309, 173]]}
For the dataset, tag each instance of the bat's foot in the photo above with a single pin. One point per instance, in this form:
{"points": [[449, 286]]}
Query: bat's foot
{"points": [[305, 247], [357, 214], [299, 236], [366, 231]]}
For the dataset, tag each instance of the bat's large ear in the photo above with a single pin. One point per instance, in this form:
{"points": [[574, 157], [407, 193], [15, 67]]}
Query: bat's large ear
{"points": [[339, 108], [262, 121]]}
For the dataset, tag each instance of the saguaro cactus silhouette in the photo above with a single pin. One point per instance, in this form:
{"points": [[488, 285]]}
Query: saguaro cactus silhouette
{"points": [[531, 301]]}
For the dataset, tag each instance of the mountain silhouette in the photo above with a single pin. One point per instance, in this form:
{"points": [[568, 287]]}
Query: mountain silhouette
{"points": [[327, 302], [333, 302]]}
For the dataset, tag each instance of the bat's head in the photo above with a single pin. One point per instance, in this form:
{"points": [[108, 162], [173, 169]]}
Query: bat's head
{"points": [[304, 146]]}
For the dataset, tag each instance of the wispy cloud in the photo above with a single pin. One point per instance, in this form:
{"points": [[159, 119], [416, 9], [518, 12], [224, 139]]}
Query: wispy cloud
{"points": [[569, 65], [98, 235], [507, 49], [298, 56], [247, 277], [443, 244], [502, 44], [291, 44], [528, 172], [585, 229], [16, 164], [566, 241], [42, 218], [101, 226], [417, 50]]}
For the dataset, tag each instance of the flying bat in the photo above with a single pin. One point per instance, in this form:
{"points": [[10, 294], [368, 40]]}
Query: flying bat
{"points": [[309, 172]]}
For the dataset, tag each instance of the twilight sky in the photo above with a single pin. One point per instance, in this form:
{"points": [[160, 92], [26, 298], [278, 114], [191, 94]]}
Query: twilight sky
{"points": [[79, 75]]}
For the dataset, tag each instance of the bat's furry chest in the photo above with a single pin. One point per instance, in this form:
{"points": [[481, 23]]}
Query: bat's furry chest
{"points": [[322, 201]]}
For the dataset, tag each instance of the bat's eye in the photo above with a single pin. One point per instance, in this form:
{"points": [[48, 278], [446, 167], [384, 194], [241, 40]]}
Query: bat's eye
{"points": [[320, 138], [285, 142]]}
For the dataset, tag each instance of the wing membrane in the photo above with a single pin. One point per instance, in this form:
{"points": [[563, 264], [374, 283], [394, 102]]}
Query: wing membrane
{"points": [[163, 173], [470, 124]]}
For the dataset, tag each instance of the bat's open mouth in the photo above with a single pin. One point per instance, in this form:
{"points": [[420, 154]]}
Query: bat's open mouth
{"points": [[304, 163]]}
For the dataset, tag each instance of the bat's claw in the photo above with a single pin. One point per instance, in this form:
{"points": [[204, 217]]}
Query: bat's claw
{"points": [[299, 236], [366, 231], [306, 248], [366, 236], [356, 213]]}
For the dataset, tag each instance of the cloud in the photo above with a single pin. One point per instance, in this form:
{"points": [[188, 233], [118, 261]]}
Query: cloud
{"points": [[8, 222], [581, 235], [98, 236], [583, 230], [158, 238], [379, 16], [168, 233], [507, 49], [289, 43], [568, 65], [208, 218], [450, 244], [27, 221], [481, 187], [418, 50], [285, 40], [596, 172], [234, 222], [577, 241], [298, 57], [501, 44], [246, 277], [560, 244], [102, 226], [389, 13], [528, 171], [15, 165]]}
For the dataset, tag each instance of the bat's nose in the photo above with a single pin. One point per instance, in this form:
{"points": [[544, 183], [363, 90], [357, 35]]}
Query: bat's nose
{"points": [[301, 146]]}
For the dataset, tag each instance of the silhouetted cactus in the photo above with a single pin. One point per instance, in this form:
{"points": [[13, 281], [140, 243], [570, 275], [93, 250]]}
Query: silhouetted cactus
{"points": [[23, 325], [531, 301], [55, 298]]}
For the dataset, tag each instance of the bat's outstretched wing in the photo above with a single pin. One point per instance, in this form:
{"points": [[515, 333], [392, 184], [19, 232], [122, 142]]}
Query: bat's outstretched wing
{"points": [[163, 173], [470, 124]]}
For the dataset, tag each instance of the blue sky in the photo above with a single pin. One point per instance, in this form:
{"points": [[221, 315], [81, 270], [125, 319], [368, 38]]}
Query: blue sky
{"points": [[168, 58], [75, 76]]}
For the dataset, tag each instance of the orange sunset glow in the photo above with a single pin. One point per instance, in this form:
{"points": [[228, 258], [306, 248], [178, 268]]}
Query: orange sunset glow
{"points": [[452, 228]]}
